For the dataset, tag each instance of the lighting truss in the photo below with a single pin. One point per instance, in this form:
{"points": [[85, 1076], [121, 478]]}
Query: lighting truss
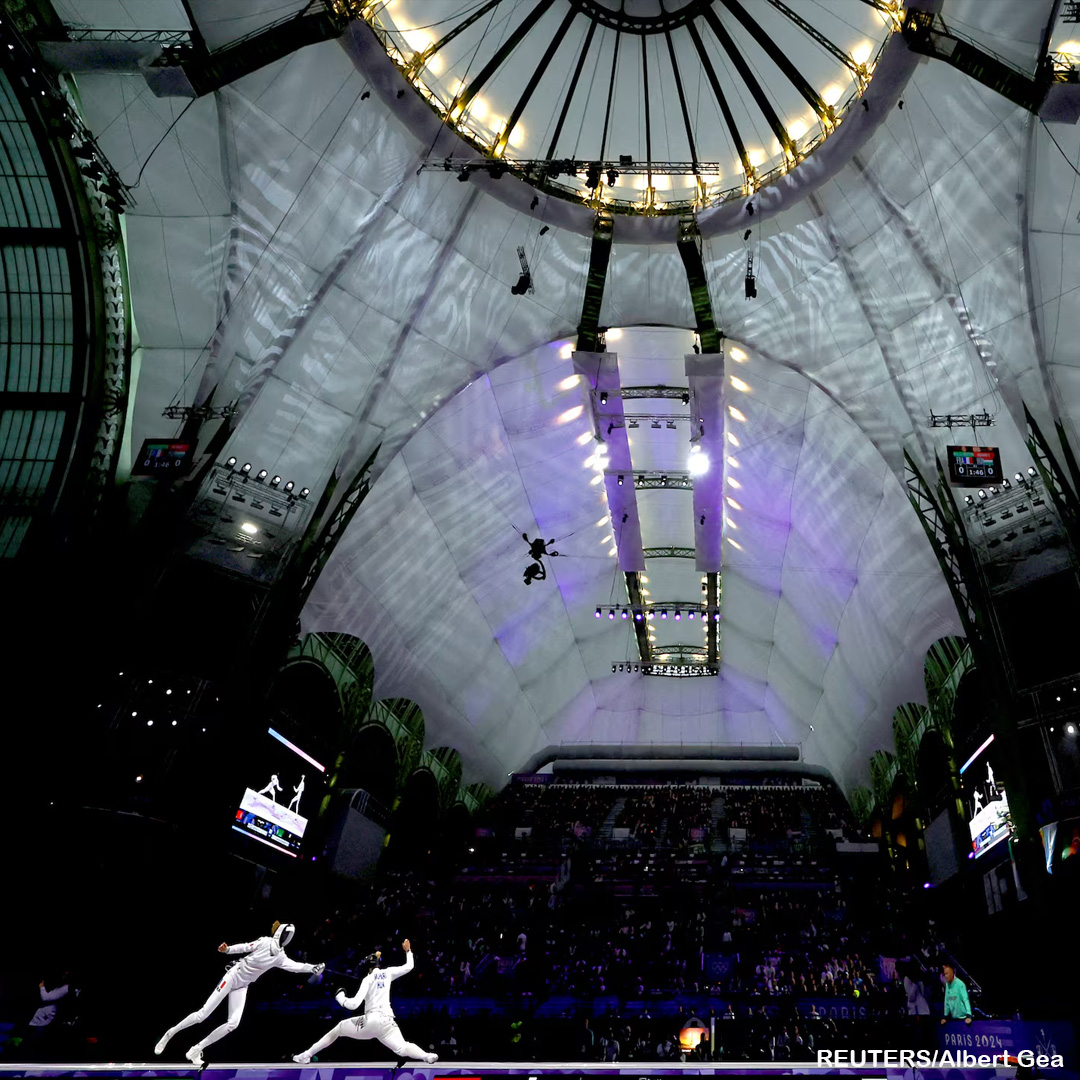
{"points": [[200, 412], [668, 418], [676, 481], [1070, 12], [694, 669], [962, 420], [680, 393]]}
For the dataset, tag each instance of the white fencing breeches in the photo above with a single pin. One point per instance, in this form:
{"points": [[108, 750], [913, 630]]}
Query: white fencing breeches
{"points": [[227, 988], [377, 1026]]}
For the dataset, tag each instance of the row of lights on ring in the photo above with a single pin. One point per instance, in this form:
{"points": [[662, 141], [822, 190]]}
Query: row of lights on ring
{"points": [[261, 476], [657, 669], [1005, 486], [624, 613]]}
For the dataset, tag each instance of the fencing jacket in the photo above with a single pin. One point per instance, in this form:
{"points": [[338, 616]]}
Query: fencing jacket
{"points": [[374, 991], [263, 954]]}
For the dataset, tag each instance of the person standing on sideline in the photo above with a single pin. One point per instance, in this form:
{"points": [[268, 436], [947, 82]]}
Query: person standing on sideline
{"points": [[378, 1021], [262, 954], [957, 1006]]}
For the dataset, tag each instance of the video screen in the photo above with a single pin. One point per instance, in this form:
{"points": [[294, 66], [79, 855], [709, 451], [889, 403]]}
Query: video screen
{"points": [[285, 786], [988, 808]]}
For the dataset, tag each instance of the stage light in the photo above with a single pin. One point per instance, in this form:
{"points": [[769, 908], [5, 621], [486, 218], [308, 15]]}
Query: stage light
{"points": [[993, 490], [230, 463], [304, 492], [678, 614], [926, 884], [249, 528], [289, 486], [598, 613], [716, 616], [698, 465], [1031, 470], [620, 480], [611, 614], [651, 615], [149, 723], [663, 614], [690, 614], [637, 616], [624, 613], [246, 468], [982, 494], [168, 691], [1006, 484], [603, 397], [1071, 729], [274, 481], [1018, 477], [612, 176], [969, 500], [612, 669]]}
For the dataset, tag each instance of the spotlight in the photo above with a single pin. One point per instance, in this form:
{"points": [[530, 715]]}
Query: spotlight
{"points": [[246, 468], [592, 175], [612, 669], [651, 616], [603, 397], [1071, 729], [612, 176], [663, 481], [701, 520], [1031, 470], [678, 614], [1006, 484], [289, 486], [620, 480], [1019, 478], [663, 614], [686, 398], [598, 613], [746, 235], [262, 475], [464, 174], [982, 495], [275, 481], [750, 209], [624, 613], [993, 490], [305, 492], [611, 614], [716, 616], [230, 463], [969, 500], [637, 616]]}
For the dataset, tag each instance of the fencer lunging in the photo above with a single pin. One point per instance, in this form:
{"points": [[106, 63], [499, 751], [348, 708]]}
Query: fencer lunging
{"points": [[273, 786], [262, 954], [378, 1020]]}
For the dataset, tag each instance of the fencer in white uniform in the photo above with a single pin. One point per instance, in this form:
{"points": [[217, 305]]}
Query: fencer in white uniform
{"points": [[378, 1020], [262, 954]]}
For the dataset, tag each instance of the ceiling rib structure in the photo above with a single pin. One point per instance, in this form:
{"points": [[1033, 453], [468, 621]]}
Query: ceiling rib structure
{"points": [[932, 275]]}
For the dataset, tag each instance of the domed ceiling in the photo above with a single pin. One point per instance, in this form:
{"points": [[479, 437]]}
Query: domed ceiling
{"points": [[638, 105]]}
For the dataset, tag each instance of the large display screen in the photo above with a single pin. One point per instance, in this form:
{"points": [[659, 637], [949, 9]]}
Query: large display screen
{"points": [[988, 808], [974, 466], [286, 787]]}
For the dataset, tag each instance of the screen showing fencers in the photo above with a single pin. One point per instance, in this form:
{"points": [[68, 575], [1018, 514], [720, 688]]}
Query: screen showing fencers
{"points": [[988, 808], [285, 787]]}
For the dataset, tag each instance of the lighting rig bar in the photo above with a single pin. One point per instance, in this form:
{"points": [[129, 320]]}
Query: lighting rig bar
{"points": [[673, 609], [680, 393], [672, 552], [671, 671], [961, 420], [1070, 13], [1010, 512], [259, 489], [200, 412], [643, 481]]}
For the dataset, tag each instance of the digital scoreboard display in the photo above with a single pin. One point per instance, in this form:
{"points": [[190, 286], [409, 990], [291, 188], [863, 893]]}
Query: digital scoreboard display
{"points": [[974, 466], [988, 805], [164, 456], [288, 785]]}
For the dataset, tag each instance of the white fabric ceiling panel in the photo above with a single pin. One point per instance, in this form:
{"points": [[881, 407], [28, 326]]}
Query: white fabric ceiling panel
{"points": [[176, 305], [645, 284]]}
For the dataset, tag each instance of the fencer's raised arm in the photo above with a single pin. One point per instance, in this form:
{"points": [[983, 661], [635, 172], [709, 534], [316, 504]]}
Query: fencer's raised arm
{"points": [[352, 1003], [288, 964], [403, 969]]}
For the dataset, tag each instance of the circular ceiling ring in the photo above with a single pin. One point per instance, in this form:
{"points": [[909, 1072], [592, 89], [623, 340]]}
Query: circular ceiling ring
{"points": [[611, 13]]}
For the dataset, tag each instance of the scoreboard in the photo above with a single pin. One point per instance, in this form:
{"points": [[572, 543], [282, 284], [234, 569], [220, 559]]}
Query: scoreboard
{"points": [[163, 456], [974, 466]]}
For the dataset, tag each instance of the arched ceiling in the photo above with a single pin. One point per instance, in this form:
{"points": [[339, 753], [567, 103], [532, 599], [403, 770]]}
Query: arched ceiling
{"points": [[286, 250]]}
